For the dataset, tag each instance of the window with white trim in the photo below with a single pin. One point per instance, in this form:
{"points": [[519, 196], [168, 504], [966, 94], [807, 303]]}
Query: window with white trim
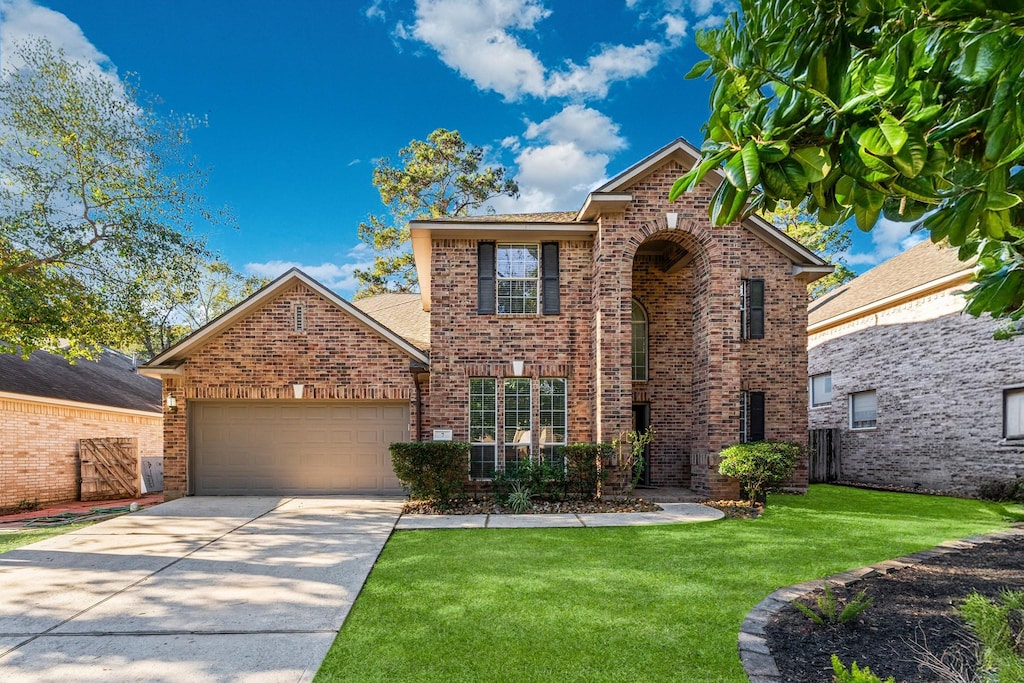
{"points": [[518, 277], [483, 427], [553, 417], [299, 317], [821, 389], [640, 341], [863, 410], [1013, 413], [518, 409]]}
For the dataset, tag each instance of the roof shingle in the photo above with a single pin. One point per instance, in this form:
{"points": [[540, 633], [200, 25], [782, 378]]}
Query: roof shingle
{"points": [[402, 313]]}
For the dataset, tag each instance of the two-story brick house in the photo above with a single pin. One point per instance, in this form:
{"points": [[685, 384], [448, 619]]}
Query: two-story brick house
{"points": [[544, 329]]}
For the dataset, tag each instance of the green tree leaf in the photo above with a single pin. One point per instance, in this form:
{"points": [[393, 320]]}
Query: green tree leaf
{"points": [[744, 168]]}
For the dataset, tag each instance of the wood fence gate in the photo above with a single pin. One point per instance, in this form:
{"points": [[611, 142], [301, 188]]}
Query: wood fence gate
{"points": [[109, 468], [823, 457]]}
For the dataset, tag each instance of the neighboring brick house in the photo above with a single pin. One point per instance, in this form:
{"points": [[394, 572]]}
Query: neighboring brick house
{"points": [[922, 395], [47, 405], [544, 329]]}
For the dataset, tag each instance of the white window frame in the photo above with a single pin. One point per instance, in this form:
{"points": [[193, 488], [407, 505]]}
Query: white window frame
{"points": [[640, 373], [546, 422], [853, 399], [521, 443], [810, 390], [476, 432], [512, 280], [1012, 396]]}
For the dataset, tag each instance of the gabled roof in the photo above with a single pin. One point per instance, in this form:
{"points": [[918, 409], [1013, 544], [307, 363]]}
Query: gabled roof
{"points": [[402, 312], [917, 272], [110, 381], [166, 361]]}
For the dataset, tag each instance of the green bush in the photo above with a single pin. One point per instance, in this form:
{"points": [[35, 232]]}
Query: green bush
{"points": [[539, 478], [855, 674], [760, 466], [432, 470], [828, 611], [583, 471], [1002, 490], [1000, 628]]}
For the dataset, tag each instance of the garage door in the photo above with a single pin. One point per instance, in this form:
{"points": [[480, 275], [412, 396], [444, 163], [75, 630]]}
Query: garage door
{"points": [[295, 447]]}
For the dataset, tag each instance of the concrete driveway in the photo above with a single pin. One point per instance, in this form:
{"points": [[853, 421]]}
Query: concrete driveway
{"points": [[198, 589]]}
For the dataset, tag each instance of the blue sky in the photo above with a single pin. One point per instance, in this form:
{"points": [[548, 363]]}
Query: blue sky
{"points": [[302, 97]]}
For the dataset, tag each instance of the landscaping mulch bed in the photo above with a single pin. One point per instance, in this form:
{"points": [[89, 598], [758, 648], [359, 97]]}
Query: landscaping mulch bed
{"points": [[914, 613], [736, 509], [489, 506]]}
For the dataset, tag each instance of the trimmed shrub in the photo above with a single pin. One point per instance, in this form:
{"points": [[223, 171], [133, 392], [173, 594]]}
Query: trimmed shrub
{"points": [[535, 476], [1002, 490], [583, 471], [432, 470], [760, 466], [855, 674]]}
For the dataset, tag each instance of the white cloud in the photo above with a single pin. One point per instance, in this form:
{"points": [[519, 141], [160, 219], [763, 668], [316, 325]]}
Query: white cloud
{"points": [[702, 7], [565, 157], [613, 63], [710, 21], [676, 27], [375, 10], [888, 238], [354, 162], [24, 20], [335, 276]]}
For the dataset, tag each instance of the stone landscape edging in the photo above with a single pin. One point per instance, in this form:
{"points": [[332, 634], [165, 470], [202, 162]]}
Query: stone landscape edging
{"points": [[755, 655]]}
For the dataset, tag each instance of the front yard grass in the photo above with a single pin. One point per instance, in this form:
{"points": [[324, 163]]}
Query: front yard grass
{"points": [[9, 540], [657, 603]]}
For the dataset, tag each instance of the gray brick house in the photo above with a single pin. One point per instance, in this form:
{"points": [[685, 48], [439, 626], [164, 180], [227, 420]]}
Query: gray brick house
{"points": [[922, 395]]}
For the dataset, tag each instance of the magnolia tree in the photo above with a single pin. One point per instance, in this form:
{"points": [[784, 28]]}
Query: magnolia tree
{"points": [[908, 109]]}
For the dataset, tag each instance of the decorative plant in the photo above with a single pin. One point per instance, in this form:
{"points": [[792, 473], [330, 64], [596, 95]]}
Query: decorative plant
{"points": [[520, 498], [828, 607], [584, 473], [1000, 628], [760, 466], [632, 460], [855, 674]]}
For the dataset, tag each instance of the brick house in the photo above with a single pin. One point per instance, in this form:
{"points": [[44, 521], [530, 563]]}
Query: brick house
{"points": [[530, 331], [48, 405], [922, 395]]}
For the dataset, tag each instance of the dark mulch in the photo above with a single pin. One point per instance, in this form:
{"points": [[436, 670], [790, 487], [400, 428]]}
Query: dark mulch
{"points": [[489, 506], [914, 611], [736, 509]]}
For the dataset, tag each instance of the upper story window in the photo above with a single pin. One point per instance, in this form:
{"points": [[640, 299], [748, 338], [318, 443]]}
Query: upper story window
{"points": [[518, 275], [752, 309], [517, 278], [821, 389], [639, 342], [1013, 412], [863, 410]]}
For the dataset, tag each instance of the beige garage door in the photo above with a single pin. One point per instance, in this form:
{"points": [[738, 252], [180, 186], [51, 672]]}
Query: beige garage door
{"points": [[294, 447]]}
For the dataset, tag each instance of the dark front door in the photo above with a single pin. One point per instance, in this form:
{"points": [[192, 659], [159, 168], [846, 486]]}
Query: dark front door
{"points": [[641, 421]]}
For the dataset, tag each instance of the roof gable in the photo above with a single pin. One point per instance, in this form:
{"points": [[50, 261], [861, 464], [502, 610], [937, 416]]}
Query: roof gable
{"points": [[173, 355]]}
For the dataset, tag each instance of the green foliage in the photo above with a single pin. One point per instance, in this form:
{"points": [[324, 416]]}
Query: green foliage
{"points": [[908, 109], [97, 203], [538, 477], [760, 466], [584, 473], [520, 498], [829, 241], [632, 447], [1000, 628], [855, 674], [437, 178], [432, 470], [1003, 490], [828, 611]]}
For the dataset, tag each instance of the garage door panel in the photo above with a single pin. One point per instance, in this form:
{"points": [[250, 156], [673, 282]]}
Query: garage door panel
{"points": [[295, 447]]}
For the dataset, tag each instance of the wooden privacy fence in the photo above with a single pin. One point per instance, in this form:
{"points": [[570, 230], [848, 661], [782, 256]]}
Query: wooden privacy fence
{"points": [[823, 459], [109, 468]]}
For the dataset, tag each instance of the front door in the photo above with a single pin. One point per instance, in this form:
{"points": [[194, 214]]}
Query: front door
{"points": [[641, 421]]}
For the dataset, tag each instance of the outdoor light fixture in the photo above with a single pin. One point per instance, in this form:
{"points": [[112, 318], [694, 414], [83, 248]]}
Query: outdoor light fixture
{"points": [[672, 219], [517, 368], [298, 388], [172, 404]]}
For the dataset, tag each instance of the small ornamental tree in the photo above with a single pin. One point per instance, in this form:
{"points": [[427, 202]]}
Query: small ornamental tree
{"points": [[760, 466]]}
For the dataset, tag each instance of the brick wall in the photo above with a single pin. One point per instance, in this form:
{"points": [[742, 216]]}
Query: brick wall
{"points": [[39, 446], [939, 379], [261, 356]]}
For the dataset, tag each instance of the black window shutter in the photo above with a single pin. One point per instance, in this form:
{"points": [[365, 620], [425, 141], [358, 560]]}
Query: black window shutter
{"points": [[755, 309], [755, 415], [549, 264], [485, 278]]}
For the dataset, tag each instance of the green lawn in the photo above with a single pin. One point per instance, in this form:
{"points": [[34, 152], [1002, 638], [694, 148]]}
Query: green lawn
{"points": [[658, 603], [9, 540]]}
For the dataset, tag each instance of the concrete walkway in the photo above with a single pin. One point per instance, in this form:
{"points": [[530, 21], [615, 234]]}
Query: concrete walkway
{"points": [[200, 589], [672, 513]]}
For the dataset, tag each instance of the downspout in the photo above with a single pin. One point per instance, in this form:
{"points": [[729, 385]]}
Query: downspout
{"points": [[415, 369]]}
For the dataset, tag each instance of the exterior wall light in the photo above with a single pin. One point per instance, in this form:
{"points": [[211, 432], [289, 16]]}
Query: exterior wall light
{"points": [[172, 404]]}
